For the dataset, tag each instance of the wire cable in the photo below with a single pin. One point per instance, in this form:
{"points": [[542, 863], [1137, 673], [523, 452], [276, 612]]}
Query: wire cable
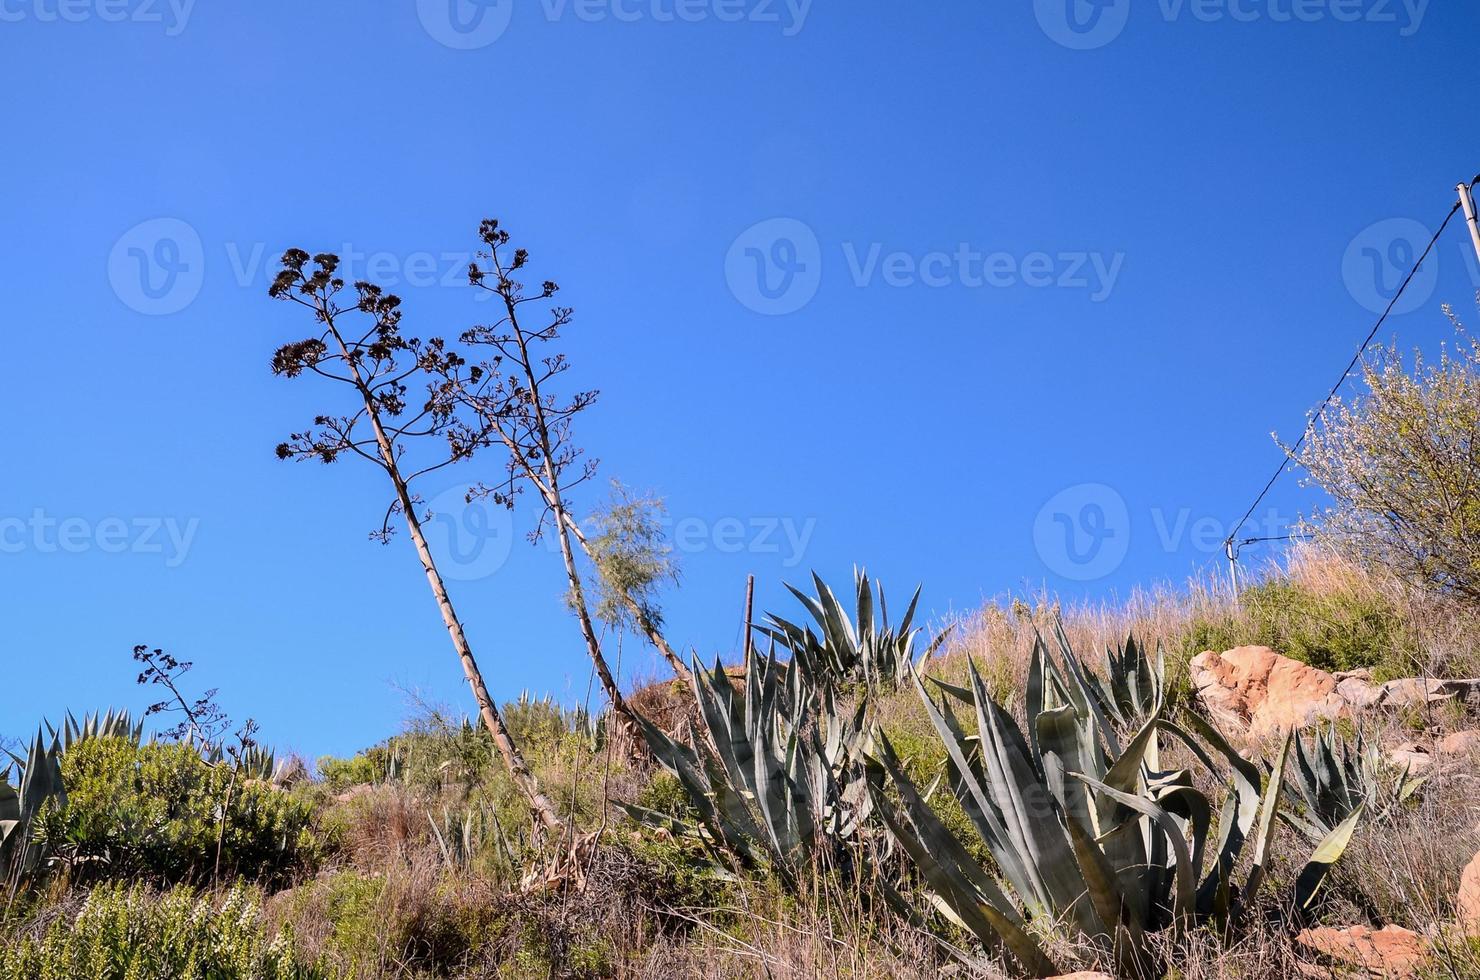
{"points": [[1285, 463]]}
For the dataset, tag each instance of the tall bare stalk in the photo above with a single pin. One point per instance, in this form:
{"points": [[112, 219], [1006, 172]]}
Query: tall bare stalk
{"points": [[372, 367], [533, 425]]}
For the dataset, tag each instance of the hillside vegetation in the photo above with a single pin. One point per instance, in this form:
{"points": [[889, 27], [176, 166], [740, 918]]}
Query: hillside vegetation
{"points": [[417, 857], [1187, 784]]}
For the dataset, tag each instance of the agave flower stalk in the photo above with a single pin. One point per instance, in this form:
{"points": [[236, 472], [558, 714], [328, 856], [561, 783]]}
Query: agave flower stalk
{"points": [[370, 365]]}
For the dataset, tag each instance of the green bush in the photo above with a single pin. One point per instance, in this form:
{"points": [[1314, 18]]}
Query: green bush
{"points": [[135, 934], [1333, 630], [154, 811], [367, 767]]}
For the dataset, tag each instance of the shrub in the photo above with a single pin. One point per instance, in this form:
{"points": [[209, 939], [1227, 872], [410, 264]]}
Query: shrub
{"points": [[132, 934], [1330, 628], [1401, 466], [155, 811], [1334, 630], [368, 767]]}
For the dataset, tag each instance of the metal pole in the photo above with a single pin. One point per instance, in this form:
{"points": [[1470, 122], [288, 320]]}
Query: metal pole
{"points": [[1228, 549], [1467, 201]]}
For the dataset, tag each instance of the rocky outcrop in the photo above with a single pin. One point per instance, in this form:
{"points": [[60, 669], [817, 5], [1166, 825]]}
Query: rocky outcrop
{"points": [[1391, 951], [1260, 692], [1357, 689]]}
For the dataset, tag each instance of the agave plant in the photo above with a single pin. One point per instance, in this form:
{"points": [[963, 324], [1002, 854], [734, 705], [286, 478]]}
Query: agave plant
{"points": [[1091, 839], [777, 782], [1135, 682], [39, 780], [112, 724], [1334, 777], [460, 837], [852, 644]]}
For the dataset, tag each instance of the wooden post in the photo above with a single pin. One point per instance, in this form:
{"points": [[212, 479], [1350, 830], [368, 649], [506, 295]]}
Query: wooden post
{"points": [[749, 612]]}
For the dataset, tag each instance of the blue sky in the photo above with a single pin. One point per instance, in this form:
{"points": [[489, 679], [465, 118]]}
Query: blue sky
{"points": [[962, 291]]}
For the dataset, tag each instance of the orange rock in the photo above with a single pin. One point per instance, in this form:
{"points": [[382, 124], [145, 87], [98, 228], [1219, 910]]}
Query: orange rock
{"points": [[1468, 904], [1459, 743], [1389, 951], [1260, 692]]}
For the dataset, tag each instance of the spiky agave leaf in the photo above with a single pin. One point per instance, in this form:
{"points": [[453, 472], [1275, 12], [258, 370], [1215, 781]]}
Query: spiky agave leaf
{"points": [[1334, 776], [853, 644], [40, 782], [974, 899], [1091, 839], [775, 776]]}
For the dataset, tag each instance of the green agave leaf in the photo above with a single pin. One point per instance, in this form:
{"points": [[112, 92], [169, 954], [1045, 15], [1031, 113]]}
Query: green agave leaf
{"points": [[1123, 923], [1328, 851], [961, 694], [1186, 874], [1025, 803], [970, 791], [1265, 834], [944, 845], [1064, 751], [973, 910], [1239, 812]]}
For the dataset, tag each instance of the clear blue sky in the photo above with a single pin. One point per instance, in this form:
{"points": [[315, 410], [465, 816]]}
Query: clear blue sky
{"points": [[1015, 258]]}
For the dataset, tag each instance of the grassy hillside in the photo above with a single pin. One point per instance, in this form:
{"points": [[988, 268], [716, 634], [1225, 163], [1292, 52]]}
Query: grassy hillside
{"points": [[418, 858]]}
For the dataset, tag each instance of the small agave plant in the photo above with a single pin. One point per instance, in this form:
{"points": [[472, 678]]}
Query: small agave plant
{"points": [[852, 644], [1335, 777], [1135, 682], [38, 781], [1094, 840], [776, 781]]}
